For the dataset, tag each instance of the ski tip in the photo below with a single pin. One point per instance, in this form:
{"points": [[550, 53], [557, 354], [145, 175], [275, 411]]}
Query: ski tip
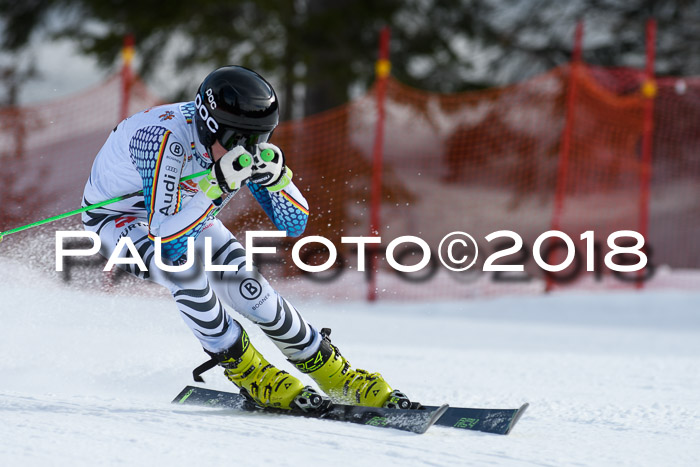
{"points": [[517, 416]]}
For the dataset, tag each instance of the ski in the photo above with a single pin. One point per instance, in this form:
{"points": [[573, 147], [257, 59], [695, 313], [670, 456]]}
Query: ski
{"points": [[498, 421], [415, 421]]}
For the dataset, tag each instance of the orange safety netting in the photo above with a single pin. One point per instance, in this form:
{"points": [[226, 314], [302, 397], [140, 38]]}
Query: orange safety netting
{"points": [[47, 149], [476, 162]]}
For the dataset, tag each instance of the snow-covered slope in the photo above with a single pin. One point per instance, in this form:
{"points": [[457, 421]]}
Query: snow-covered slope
{"points": [[87, 378]]}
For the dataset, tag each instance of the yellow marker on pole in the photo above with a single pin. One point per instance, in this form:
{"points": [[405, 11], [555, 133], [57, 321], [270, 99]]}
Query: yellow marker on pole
{"points": [[382, 68], [649, 89], [128, 54]]}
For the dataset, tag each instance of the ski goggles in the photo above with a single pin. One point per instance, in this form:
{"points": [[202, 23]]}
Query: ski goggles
{"points": [[230, 138]]}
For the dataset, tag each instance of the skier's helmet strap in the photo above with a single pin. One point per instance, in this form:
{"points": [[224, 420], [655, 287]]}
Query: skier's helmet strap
{"points": [[235, 106]]}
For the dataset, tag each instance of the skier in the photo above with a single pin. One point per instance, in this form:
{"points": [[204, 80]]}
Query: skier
{"points": [[152, 150]]}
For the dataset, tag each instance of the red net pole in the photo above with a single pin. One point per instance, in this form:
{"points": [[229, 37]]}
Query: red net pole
{"points": [[383, 68], [649, 92], [565, 148], [126, 75]]}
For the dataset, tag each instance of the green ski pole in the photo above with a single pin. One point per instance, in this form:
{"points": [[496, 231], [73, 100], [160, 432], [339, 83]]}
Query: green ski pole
{"points": [[87, 208]]}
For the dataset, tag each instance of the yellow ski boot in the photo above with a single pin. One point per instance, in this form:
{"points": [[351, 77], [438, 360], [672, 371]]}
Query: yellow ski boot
{"points": [[268, 386], [345, 385]]}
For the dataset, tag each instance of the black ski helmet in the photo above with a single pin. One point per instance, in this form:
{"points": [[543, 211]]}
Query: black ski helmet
{"points": [[235, 106]]}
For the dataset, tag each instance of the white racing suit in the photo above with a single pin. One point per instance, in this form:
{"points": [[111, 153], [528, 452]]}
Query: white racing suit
{"points": [[152, 151]]}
